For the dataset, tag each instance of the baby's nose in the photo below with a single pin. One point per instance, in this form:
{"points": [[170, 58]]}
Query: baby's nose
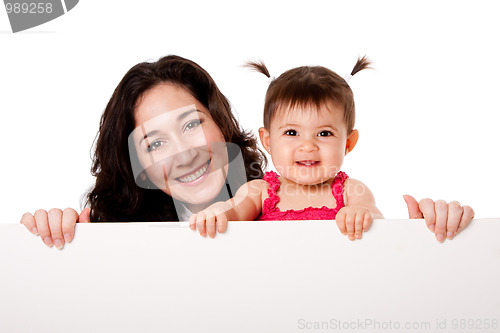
{"points": [[308, 145]]}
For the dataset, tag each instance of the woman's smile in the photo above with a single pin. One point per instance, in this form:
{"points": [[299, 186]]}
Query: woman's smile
{"points": [[194, 175]]}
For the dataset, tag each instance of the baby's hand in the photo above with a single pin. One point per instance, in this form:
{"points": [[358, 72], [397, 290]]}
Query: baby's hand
{"points": [[211, 219], [443, 219], [352, 221]]}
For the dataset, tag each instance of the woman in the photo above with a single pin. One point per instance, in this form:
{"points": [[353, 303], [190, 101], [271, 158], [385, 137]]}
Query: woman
{"points": [[121, 195]]}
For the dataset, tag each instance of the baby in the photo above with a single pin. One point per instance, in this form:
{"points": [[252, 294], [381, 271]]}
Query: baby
{"points": [[308, 130]]}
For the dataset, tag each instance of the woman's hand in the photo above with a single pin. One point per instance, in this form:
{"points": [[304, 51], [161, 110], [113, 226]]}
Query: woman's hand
{"points": [[445, 220], [55, 227], [211, 219]]}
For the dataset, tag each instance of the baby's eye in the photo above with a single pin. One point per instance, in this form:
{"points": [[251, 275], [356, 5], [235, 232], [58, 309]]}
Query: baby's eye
{"points": [[192, 124], [291, 132], [325, 133], [155, 145]]}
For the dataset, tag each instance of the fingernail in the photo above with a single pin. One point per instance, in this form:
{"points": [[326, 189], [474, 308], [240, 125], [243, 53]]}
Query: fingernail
{"points": [[34, 231], [431, 227], [67, 238], [450, 235], [358, 236], [58, 243], [440, 237], [48, 241]]}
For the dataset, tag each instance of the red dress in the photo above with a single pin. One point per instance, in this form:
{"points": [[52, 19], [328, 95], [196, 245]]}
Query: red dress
{"points": [[271, 212]]}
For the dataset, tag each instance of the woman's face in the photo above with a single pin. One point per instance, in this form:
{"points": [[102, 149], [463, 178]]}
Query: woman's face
{"points": [[179, 145]]}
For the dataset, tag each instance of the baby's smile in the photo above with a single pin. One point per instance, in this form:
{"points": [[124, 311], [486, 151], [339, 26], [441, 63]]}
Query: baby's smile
{"points": [[308, 163]]}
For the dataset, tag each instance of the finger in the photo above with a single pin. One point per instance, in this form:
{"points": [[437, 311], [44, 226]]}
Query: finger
{"points": [[42, 224], [221, 223], [340, 220], [358, 225], [69, 219], [210, 224], [84, 216], [441, 209], [55, 225], [192, 222], [413, 209], [426, 206], [200, 224], [367, 222], [467, 216], [349, 223], [29, 222], [455, 212]]}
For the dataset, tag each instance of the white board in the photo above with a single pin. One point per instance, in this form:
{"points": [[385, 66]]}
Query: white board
{"points": [[258, 277]]}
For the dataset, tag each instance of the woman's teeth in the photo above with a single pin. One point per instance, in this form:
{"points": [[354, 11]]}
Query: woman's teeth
{"points": [[194, 175]]}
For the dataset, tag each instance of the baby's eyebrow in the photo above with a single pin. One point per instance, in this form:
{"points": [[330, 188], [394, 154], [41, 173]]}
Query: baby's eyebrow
{"points": [[329, 126], [289, 125]]}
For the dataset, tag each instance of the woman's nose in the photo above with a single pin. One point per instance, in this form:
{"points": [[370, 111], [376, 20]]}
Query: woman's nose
{"points": [[308, 145], [186, 157], [184, 151]]}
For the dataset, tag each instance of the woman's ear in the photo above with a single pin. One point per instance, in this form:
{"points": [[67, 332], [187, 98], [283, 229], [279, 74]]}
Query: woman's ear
{"points": [[352, 139], [264, 139]]}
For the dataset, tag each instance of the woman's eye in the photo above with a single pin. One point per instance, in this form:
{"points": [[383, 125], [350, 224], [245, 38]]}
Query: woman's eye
{"points": [[155, 146], [325, 133], [192, 124], [291, 132]]}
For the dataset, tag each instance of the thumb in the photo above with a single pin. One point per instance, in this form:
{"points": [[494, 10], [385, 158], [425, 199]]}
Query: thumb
{"points": [[84, 216], [413, 210]]}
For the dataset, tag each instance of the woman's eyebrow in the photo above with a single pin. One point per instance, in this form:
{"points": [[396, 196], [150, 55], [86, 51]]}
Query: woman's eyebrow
{"points": [[154, 132], [187, 113], [179, 118]]}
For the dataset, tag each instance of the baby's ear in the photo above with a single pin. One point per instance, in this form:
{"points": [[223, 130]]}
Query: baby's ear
{"points": [[264, 139], [352, 139]]}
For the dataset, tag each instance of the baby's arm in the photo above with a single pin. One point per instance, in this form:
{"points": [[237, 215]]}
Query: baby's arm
{"points": [[246, 205], [359, 210]]}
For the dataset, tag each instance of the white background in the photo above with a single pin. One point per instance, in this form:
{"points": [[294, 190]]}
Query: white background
{"points": [[427, 115]]}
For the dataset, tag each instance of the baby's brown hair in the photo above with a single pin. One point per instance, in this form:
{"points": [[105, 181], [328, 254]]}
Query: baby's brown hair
{"points": [[309, 85]]}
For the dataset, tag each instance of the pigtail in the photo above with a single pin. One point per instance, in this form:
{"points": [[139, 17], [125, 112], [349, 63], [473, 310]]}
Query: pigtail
{"points": [[258, 66], [362, 63]]}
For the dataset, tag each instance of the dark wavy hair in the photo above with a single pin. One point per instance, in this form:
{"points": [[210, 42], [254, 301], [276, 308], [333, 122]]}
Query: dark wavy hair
{"points": [[306, 85], [115, 195]]}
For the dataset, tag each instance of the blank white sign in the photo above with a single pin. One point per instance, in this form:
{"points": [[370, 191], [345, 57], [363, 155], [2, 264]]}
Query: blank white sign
{"points": [[257, 277]]}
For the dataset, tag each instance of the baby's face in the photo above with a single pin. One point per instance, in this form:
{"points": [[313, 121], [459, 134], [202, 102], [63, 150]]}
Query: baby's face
{"points": [[307, 144]]}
